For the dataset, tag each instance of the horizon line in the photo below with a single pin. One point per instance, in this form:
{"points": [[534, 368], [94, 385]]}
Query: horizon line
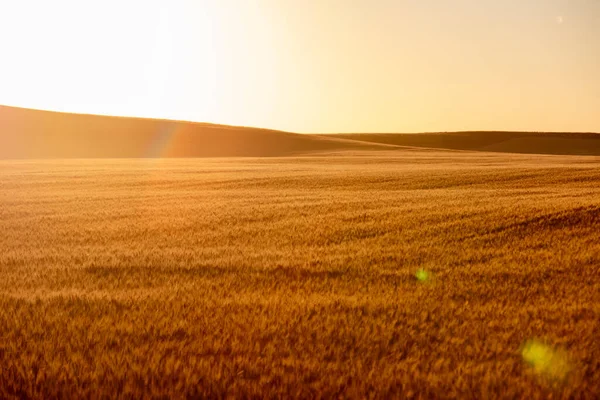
{"points": [[215, 124]]}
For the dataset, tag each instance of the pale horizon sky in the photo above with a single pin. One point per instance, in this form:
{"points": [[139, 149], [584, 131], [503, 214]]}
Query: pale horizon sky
{"points": [[311, 66]]}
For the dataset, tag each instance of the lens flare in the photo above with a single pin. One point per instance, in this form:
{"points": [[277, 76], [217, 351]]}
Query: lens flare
{"points": [[545, 360], [422, 275]]}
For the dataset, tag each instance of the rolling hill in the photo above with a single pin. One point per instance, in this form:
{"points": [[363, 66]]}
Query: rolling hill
{"points": [[34, 134], [30, 134], [503, 142]]}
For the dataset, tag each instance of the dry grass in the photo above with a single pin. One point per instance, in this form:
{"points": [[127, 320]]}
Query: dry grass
{"points": [[295, 277]]}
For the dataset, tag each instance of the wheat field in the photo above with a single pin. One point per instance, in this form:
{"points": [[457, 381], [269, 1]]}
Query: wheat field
{"points": [[297, 277]]}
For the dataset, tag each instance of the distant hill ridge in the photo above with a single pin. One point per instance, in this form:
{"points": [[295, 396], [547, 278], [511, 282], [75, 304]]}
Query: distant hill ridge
{"points": [[565, 143], [31, 134]]}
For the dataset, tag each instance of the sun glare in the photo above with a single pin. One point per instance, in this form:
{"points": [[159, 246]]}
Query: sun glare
{"points": [[314, 66], [114, 57]]}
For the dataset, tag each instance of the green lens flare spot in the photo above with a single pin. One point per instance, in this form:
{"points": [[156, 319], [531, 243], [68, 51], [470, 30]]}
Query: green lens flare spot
{"points": [[422, 275], [537, 354], [545, 360]]}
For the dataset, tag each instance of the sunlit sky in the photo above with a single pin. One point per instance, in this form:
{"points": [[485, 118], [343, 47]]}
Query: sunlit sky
{"points": [[310, 65]]}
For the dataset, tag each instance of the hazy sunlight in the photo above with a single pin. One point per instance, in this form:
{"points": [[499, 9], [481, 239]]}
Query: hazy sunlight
{"points": [[311, 66]]}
